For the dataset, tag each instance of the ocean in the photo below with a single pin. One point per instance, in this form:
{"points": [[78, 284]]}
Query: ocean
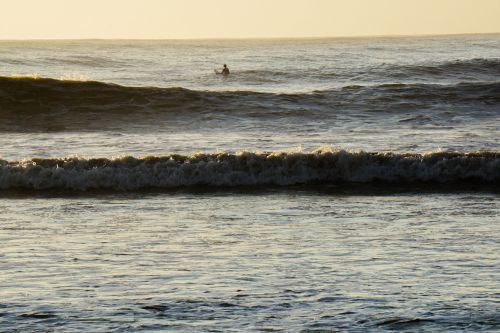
{"points": [[325, 185]]}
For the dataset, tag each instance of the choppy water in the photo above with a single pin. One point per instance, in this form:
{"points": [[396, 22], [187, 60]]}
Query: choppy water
{"points": [[326, 184], [251, 261]]}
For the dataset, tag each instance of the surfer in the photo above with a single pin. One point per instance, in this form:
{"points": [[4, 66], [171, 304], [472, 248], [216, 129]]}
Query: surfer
{"points": [[225, 70]]}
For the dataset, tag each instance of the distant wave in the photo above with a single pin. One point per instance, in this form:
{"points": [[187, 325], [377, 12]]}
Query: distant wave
{"points": [[31, 96], [85, 61], [467, 69], [477, 69], [323, 166]]}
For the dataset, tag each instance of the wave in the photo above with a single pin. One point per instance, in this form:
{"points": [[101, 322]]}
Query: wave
{"points": [[85, 61], [43, 104], [35, 95], [477, 70], [425, 95], [466, 69], [322, 166]]}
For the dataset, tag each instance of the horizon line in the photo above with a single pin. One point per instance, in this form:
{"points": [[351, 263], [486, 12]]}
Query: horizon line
{"points": [[254, 38]]}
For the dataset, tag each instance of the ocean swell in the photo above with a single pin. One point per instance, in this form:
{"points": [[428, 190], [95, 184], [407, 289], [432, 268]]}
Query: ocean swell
{"points": [[35, 95], [466, 68], [39, 104], [475, 69], [322, 166]]}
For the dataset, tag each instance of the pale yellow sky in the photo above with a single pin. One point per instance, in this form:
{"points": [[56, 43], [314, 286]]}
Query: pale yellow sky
{"points": [[47, 19]]}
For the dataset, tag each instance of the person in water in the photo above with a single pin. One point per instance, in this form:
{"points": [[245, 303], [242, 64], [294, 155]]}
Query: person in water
{"points": [[225, 70]]}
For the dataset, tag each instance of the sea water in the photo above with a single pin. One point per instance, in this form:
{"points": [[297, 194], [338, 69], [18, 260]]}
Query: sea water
{"points": [[345, 184]]}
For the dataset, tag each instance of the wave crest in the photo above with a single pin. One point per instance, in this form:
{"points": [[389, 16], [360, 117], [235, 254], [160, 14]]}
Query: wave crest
{"points": [[325, 166]]}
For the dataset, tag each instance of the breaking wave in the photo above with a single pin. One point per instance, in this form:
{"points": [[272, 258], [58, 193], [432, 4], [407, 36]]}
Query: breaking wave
{"points": [[322, 166]]}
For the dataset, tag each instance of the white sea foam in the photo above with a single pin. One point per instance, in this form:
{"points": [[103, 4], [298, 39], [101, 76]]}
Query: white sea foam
{"points": [[248, 169]]}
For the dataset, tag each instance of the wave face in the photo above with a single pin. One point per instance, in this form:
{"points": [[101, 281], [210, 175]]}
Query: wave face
{"points": [[322, 166], [31, 102], [48, 95]]}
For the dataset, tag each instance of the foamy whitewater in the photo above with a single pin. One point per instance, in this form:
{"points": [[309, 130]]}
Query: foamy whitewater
{"points": [[327, 167], [345, 184]]}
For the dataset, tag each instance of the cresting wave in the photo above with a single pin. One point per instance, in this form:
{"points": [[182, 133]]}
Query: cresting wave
{"points": [[41, 104], [322, 166], [44, 95]]}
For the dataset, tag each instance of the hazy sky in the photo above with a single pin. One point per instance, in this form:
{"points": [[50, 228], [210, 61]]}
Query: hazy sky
{"points": [[243, 18]]}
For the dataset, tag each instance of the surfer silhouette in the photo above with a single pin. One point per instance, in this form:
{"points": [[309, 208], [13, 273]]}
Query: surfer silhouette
{"points": [[225, 70]]}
